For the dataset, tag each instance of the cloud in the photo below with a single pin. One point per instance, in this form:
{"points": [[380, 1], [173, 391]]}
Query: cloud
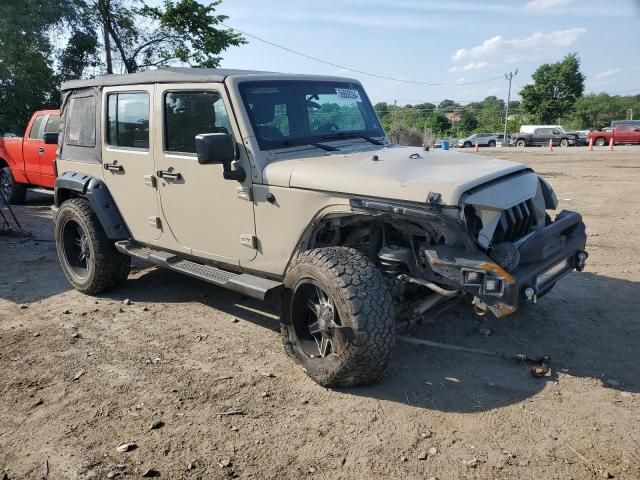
{"points": [[470, 66], [608, 73], [520, 48], [546, 4]]}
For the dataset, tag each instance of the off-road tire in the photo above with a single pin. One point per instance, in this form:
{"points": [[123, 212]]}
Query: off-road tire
{"points": [[364, 304], [107, 267], [521, 143], [600, 142], [17, 193]]}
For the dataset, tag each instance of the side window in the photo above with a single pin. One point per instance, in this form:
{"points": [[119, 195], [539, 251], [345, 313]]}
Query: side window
{"points": [[81, 124], [53, 124], [128, 120], [190, 113], [34, 134]]}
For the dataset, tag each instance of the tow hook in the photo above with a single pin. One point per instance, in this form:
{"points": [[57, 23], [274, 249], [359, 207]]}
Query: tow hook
{"points": [[541, 366], [530, 293], [582, 259]]}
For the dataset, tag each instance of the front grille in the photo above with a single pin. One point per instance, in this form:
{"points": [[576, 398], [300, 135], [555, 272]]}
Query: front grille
{"points": [[515, 222]]}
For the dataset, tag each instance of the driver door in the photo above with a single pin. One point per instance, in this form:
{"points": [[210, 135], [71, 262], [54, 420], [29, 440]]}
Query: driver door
{"points": [[206, 214]]}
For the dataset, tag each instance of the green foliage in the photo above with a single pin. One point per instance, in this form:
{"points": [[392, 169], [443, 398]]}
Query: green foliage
{"points": [[129, 34], [598, 110], [27, 79], [556, 88]]}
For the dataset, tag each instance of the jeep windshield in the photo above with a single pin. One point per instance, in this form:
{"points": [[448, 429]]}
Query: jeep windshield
{"points": [[299, 112]]}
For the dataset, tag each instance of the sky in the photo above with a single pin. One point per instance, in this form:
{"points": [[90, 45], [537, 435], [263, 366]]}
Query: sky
{"points": [[440, 41]]}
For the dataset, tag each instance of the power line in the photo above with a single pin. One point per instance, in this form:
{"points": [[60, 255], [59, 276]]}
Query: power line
{"points": [[375, 75]]}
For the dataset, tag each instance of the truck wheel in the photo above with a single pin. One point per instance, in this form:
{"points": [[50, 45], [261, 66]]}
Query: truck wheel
{"points": [[564, 142], [600, 142], [89, 259], [521, 143], [338, 319], [13, 192], [492, 143]]}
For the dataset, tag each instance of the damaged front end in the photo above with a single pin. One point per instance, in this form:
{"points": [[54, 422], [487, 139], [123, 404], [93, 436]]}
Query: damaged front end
{"points": [[500, 246]]}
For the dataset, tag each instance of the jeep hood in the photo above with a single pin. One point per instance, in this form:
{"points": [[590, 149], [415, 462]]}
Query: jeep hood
{"points": [[395, 175]]}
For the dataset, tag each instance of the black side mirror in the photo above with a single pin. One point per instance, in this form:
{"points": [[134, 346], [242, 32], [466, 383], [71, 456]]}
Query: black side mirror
{"points": [[219, 148], [50, 138]]}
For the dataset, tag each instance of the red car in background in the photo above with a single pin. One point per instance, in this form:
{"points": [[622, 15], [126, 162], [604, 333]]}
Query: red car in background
{"points": [[620, 134], [27, 161]]}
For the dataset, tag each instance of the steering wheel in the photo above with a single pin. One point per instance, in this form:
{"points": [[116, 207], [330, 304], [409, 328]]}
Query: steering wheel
{"points": [[328, 127]]}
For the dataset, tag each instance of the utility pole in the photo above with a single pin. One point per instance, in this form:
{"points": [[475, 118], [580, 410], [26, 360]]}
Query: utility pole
{"points": [[509, 76], [630, 112]]}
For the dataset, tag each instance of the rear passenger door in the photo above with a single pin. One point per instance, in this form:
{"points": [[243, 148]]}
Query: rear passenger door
{"points": [[128, 159]]}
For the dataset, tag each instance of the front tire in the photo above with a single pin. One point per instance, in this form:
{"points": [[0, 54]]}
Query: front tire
{"points": [[466, 145], [521, 143], [13, 192], [564, 142], [338, 320], [600, 142], [88, 258], [492, 143]]}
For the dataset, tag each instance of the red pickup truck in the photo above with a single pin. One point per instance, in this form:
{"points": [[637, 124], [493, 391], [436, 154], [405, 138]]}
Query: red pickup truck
{"points": [[620, 134], [28, 162]]}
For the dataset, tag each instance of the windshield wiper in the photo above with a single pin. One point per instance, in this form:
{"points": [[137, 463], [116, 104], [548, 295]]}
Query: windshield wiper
{"points": [[343, 135], [322, 146], [375, 141]]}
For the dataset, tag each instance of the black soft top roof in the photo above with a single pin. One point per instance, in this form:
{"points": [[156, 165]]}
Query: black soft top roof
{"points": [[162, 75]]}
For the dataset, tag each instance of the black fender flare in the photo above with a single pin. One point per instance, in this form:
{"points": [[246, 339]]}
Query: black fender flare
{"points": [[96, 192]]}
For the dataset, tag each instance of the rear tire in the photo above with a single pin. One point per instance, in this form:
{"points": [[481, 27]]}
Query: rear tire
{"points": [[600, 142], [338, 320], [88, 258], [13, 192]]}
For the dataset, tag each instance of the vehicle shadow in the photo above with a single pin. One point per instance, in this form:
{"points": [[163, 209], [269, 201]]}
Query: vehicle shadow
{"points": [[583, 337], [580, 329]]}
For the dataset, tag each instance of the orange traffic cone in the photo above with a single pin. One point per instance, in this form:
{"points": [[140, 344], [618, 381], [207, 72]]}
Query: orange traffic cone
{"points": [[611, 144], [550, 146], [477, 149], [590, 145]]}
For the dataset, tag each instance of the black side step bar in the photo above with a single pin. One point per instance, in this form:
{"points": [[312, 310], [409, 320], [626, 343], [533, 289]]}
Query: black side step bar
{"points": [[249, 285]]}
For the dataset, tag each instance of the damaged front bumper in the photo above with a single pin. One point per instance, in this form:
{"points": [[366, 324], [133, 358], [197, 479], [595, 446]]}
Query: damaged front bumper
{"points": [[546, 255]]}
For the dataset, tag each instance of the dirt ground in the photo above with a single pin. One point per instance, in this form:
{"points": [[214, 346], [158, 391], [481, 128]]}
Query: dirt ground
{"points": [[81, 375]]}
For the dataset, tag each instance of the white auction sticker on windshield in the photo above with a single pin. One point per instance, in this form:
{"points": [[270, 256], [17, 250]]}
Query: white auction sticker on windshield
{"points": [[348, 94]]}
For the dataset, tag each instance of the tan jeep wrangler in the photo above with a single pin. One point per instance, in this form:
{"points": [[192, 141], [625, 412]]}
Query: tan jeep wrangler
{"points": [[285, 186]]}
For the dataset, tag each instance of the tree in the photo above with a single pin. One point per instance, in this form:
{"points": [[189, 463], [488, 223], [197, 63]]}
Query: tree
{"points": [[438, 122], [556, 88], [491, 115], [27, 79], [142, 36]]}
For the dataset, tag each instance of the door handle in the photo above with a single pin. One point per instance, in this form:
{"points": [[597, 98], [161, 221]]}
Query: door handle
{"points": [[167, 175], [41, 150], [112, 167]]}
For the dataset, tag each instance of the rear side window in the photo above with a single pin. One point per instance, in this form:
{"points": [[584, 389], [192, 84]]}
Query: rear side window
{"points": [[81, 126], [128, 120], [189, 113], [53, 124], [35, 128]]}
